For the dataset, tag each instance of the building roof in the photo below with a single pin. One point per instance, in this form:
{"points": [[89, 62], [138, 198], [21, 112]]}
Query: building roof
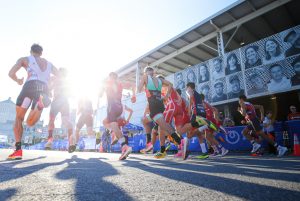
{"points": [[241, 23], [9, 101]]}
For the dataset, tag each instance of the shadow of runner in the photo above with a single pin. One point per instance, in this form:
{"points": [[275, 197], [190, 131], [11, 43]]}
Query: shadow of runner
{"points": [[90, 183], [8, 172], [6, 194], [231, 186]]}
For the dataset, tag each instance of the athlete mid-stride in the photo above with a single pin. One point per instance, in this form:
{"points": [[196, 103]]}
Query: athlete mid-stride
{"points": [[60, 104], [85, 112], [153, 88], [248, 111], [113, 89], [34, 92]]}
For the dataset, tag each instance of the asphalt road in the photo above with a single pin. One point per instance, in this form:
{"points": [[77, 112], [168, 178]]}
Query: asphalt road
{"points": [[54, 175]]}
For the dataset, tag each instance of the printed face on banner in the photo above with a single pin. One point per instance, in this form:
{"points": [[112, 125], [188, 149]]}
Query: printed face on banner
{"points": [[203, 72], [217, 68], [264, 67]]}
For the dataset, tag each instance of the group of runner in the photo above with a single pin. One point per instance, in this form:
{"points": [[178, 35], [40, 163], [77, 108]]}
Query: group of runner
{"points": [[165, 105]]}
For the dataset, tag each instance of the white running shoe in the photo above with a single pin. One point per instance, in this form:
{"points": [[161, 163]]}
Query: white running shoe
{"points": [[126, 150], [256, 147], [281, 150], [224, 151], [48, 145]]}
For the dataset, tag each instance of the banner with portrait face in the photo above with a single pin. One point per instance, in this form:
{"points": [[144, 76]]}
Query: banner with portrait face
{"points": [[265, 67]]}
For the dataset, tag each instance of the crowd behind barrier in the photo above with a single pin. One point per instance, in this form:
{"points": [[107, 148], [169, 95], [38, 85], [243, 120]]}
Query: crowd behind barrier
{"points": [[234, 140]]}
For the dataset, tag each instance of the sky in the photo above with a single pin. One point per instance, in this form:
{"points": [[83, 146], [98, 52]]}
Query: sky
{"points": [[92, 37]]}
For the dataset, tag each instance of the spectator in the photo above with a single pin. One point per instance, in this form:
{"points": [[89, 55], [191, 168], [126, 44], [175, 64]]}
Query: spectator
{"points": [[269, 130], [294, 115], [228, 122]]}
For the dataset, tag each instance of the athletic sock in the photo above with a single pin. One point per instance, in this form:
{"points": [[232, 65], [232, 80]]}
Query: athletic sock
{"points": [[215, 148], [126, 139], [203, 148], [122, 141], [50, 134], [148, 137], [203, 128], [18, 146], [176, 138], [220, 146], [162, 149]]}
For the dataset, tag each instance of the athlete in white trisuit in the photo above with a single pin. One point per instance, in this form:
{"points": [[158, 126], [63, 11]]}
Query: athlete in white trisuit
{"points": [[34, 92]]}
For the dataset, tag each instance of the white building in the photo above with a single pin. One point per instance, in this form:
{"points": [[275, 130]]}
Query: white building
{"points": [[7, 110]]}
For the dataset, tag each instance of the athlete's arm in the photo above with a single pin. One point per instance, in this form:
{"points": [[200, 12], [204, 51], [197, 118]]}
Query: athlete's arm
{"points": [[22, 62], [261, 109], [243, 108], [128, 109], [142, 84], [170, 86]]}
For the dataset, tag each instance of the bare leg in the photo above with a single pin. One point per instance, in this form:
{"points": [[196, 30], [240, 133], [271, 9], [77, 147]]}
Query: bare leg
{"points": [[18, 127]]}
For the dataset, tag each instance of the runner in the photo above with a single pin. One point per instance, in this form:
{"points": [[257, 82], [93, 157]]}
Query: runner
{"points": [[122, 122], [248, 111], [113, 88], [34, 92], [60, 104], [199, 117], [153, 87], [85, 110]]}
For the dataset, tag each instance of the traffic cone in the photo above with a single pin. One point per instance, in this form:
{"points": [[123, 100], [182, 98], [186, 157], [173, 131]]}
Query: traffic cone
{"points": [[296, 145]]}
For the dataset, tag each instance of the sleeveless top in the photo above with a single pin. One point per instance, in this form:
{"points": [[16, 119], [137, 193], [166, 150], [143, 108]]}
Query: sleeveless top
{"points": [[151, 90], [114, 92], [197, 106], [35, 73]]}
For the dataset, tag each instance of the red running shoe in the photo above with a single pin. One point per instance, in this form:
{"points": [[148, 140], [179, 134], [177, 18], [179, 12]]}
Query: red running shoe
{"points": [[17, 155]]}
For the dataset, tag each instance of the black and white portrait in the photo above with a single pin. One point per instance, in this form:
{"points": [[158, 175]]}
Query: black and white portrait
{"points": [[191, 76], [219, 91], [235, 86], [203, 73], [217, 68], [273, 51], [278, 81], [205, 90], [252, 57], [293, 39], [180, 84], [232, 64], [255, 82], [296, 66]]}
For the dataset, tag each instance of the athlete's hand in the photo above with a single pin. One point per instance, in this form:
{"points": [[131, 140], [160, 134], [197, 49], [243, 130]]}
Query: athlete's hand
{"points": [[20, 81], [133, 99]]}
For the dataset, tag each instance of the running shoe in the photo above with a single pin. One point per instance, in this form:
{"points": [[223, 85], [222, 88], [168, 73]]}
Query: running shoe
{"points": [[185, 148], [48, 145], [281, 150], [215, 154], [159, 155], [71, 148], [202, 156], [126, 150], [16, 155], [256, 147], [149, 147], [178, 155], [224, 151]]}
